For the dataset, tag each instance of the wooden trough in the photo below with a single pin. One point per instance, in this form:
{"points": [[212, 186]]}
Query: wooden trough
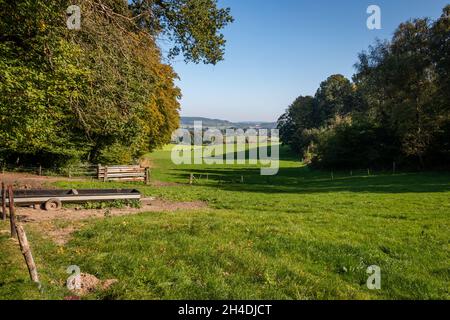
{"points": [[53, 199]]}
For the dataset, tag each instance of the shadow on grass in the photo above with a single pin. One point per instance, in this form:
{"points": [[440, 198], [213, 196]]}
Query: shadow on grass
{"points": [[304, 180]]}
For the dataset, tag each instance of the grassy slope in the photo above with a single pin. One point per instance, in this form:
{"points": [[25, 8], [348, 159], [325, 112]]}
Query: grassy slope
{"points": [[298, 235]]}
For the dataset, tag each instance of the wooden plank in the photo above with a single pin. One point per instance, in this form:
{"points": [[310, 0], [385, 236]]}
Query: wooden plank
{"points": [[127, 179], [123, 175], [120, 167], [112, 170]]}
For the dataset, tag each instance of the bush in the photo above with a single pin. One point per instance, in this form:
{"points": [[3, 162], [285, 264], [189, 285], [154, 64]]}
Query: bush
{"points": [[350, 144]]}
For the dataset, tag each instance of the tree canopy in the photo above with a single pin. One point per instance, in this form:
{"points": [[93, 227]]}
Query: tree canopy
{"points": [[102, 93], [395, 110]]}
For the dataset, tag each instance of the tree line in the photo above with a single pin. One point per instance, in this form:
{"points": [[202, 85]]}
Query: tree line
{"points": [[396, 109], [104, 93]]}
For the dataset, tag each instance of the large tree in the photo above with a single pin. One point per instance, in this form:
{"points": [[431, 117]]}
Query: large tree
{"points": [[101, 93], [335, 97], [396, 109], [192, 26]]}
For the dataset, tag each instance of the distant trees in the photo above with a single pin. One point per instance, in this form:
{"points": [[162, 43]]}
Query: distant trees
{"points": [[396, 108], [102, 93]]}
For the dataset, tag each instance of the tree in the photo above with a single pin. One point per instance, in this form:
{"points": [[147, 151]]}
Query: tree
{"points": [[334, 97], [101, 93], [396, 109], [193, 26], [301, 115], [399, 80]]}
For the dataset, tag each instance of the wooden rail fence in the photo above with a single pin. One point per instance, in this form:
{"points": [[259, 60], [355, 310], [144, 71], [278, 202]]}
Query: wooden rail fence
{"points": [[123, 173]]}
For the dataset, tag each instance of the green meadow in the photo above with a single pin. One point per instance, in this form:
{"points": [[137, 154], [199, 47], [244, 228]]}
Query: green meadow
{"points": [[302, 234]]}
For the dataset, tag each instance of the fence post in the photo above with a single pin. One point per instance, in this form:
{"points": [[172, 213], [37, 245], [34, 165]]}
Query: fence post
{"points": [[12, 215], [40, 170], [25, 248], [191, 179], [105, 177], [242, 179], [147, 175], [3, 202]]}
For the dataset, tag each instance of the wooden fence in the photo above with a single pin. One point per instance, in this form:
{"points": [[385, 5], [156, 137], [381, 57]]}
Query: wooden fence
{"points": [[123, 173]]}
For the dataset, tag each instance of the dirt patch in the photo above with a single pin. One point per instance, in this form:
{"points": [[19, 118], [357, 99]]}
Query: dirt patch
{"points": [[60, 225], [89, 283], [28, 181], [164, 184], [28, 215]]}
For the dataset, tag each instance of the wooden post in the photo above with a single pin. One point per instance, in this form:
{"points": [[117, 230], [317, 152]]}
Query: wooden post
{"points": [[147, 175], [191, 179], [3, 202], [12, 216], [105, 177], [25, 248], [40, 170], [99, 166]]}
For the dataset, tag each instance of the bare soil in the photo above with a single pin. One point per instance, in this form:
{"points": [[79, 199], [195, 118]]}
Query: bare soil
{"points": [[61, 224], [29, 215], [89, 283], [28, 181]]}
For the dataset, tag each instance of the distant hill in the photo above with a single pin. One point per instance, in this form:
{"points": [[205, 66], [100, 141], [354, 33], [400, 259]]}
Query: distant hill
{"points": [[207, 122], [217, 123]]}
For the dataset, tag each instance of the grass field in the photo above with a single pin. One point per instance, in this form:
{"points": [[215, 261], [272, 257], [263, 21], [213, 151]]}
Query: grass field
{"points": [[298, 235]]}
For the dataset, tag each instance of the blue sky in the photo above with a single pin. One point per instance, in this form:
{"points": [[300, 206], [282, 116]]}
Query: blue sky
{"points": [[278, 50]]}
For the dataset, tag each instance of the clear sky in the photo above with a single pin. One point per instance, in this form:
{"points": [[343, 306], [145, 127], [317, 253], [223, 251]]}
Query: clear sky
{"points": [[278, 50]]}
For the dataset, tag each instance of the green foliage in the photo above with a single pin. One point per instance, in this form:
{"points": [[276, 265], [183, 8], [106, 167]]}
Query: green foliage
{"points": [[348, 144], [116, 204], [397, 108], [100, 93], [193, 26]]}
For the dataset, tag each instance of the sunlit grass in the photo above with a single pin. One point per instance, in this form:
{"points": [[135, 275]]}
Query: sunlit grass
{"points": [[297, 235]]}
